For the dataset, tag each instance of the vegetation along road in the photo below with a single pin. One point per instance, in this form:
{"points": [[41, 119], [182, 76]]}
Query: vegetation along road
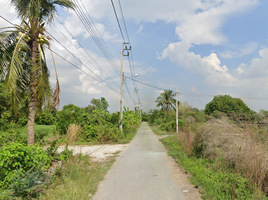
{"points": [[141, 172]]}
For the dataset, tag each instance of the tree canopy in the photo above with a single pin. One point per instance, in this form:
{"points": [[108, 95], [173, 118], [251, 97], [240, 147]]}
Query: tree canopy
{"points": [[226, 104], [166, 101]]}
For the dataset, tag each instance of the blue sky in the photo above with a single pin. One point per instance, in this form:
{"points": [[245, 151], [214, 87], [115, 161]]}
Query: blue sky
{"points": [[201, 47]]}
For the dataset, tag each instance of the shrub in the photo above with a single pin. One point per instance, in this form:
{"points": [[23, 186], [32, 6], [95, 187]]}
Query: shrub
{"points": [[11, 136], [19, 156], [45, 118], [70, 114], [27, 185], [73, 132], [226, 104], [102, 133]]}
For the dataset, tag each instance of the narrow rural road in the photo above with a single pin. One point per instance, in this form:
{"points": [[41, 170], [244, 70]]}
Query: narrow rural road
{"points": [[141, 172]]}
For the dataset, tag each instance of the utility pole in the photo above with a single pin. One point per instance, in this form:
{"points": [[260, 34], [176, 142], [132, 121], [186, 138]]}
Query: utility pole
{"points": [[134, 99], [177, 114], [135, 90], [121, 85]]}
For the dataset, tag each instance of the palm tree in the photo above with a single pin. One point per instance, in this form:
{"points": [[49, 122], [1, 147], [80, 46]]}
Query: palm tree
{"points": [[23, 63], [166, 101]]}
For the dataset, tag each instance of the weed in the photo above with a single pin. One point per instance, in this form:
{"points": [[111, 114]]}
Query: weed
{"points": [[79, 179], [73, 132]]}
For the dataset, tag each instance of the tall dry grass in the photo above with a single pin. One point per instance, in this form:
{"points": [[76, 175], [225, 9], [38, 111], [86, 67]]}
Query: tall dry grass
{"points": [[240, 147], [73, 132]]}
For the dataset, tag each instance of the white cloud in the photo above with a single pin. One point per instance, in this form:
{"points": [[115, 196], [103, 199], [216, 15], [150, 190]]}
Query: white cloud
{"points": [[194, 90], [159, 91], [243, 51], [140, 29], [145, 71]]}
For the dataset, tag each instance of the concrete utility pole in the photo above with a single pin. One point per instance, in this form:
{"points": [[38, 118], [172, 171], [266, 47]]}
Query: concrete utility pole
{"points": [[135, 90], [134, 99], [177, 114], [121, 86]]}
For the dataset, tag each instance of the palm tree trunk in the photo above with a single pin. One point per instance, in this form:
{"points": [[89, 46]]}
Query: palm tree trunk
{"points": [[32, 104]]}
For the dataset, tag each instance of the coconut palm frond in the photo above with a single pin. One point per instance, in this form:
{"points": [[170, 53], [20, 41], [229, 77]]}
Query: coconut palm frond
{"points": [[16, 68], [56, 94], [166, 101], [43, 89]]}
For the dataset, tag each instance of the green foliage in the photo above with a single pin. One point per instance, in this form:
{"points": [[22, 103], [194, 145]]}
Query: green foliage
{"points": [[42, 132], [97, 125], [102, 133], [52, 150], [166, 101], [165, 121], [145, 117], [100, 104], [70, 114], [226, 104], [27, 185], [171, 125], [11, 135], [130, 119], [18, 156], [46, 118]]}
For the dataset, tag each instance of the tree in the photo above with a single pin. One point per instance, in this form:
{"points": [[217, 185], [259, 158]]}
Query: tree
{"points": [[166, 101], [99, 104], [23, 65], [226, 104]]}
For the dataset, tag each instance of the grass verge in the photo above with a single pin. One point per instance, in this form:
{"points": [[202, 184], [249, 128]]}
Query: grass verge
{"points": [[216, 182], [79, 179], [42, 132], [157, 131]]}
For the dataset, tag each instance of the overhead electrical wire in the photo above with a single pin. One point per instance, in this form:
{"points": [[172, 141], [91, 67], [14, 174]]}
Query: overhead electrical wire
{"points": [[83, 49], [100, 43], [81, 69], [131, 65], [105, 84], [152, 86], [118, 21], [79, 60], [98, 33]]}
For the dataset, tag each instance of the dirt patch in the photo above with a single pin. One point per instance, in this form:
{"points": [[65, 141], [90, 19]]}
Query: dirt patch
{"points": [[97, 152]]}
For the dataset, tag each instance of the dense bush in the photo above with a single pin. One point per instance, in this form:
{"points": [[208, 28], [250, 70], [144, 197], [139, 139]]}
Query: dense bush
{"points": [[70, 114], [96, 125], [171, 126], [17, 156], [46, 118], [226, 104], [9, 136]]}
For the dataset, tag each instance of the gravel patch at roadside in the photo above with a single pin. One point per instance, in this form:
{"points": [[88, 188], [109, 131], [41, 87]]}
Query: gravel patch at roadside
{"points": [[97, 152]]}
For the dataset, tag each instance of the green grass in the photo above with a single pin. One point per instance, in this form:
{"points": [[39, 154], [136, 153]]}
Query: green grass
{"points": [[157, 131], [216, 183], [42, 132], [79, 180]]}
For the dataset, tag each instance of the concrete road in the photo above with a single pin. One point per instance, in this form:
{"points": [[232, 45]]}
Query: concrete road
{"points": [[141, 172]]}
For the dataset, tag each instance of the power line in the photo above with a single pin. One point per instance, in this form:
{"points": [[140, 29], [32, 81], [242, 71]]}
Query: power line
{"points": [[130, 65], [98, 33], [83, 49], [81, 69], [100, 43], [123, 19], [118, 21], [79, 60]]}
